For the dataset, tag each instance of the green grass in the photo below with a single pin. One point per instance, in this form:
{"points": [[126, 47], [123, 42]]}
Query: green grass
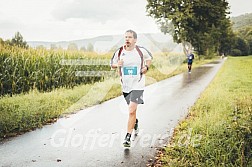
{"points": [[21, 113], [25, 112], [219, 125]]}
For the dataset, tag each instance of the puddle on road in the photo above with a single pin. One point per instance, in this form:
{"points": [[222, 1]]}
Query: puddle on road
{"points": [[195, 75]]}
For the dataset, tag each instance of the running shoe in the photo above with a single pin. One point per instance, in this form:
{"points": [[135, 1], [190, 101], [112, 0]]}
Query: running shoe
{"points": [[126, 142]]}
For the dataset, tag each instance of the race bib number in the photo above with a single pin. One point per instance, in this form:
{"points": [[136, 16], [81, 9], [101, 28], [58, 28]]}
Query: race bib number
{"points": [[130, 70]]}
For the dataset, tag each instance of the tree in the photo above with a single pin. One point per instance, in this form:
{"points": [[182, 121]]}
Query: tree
{"points": [[90, 47], [83, 48], [40, 47], [1, 41], [245, 33], [242, 45], [18, 40], [53, 47], [200, 22], [250, 46], [227, 38], [72, 46]]}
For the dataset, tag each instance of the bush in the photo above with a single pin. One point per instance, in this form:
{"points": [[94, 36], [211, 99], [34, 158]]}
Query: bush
{"points": [[235, 52]]}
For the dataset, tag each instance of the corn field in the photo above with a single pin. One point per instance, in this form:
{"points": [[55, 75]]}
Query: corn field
{"points": [[22, 70]]}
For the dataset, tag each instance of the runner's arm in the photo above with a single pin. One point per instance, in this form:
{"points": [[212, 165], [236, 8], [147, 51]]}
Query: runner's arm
{"points": [[114, 60]]}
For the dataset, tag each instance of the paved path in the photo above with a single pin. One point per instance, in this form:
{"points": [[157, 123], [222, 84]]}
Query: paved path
{"points": [[93, 137]]}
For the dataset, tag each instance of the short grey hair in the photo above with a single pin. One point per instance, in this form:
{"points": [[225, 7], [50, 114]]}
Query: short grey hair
{"points": [[133, 32]]}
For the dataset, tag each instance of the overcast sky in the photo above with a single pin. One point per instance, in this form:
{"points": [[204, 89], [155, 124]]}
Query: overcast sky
{"points": [[63, 20]]}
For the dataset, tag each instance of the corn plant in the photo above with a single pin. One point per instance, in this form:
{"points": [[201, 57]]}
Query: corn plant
{"points": [[22, 70]]}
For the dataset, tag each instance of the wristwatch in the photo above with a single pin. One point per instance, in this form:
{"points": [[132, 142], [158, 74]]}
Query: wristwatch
{"points": [[147, 67]]}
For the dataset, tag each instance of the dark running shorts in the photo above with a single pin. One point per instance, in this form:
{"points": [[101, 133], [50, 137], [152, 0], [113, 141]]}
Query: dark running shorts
{"points": [[134, 96], [189, 62]]}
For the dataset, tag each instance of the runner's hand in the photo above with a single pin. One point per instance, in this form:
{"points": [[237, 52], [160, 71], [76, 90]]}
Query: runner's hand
{"points": [[144, 70]]}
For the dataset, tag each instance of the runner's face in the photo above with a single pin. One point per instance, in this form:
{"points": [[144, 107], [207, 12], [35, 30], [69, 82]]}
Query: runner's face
{"points": [[129, 39]]}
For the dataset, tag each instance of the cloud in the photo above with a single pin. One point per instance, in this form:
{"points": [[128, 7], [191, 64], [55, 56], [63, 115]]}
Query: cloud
{"points": [[56, 20], [97, 10], [7, 25]]}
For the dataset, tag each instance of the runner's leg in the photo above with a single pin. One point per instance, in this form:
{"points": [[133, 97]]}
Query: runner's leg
{"points": [[132, 116]]}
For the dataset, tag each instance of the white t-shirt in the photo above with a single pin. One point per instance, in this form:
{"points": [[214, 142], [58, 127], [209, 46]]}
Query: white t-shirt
{"points": [[131, 78]]}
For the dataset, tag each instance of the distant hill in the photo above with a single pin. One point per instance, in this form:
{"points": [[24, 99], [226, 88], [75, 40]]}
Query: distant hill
{"points": [[152, 41], [242, 21]]}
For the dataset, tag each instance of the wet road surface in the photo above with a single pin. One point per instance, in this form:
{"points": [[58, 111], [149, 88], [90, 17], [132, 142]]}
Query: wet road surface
{"points": [[94, 136]]}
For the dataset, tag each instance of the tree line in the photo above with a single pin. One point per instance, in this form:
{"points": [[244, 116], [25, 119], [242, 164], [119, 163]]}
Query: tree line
{"points": [[203, 23], [19, 41]]}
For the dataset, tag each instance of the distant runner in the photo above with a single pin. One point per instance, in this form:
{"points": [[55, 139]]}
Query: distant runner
{"points": [[190, 58]]}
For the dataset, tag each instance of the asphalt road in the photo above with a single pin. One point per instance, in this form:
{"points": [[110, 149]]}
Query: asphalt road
{"points": [[94, 136]]}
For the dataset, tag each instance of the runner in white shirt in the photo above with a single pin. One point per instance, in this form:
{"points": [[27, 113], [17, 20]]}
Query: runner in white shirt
{"points": [[133, 62]]}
